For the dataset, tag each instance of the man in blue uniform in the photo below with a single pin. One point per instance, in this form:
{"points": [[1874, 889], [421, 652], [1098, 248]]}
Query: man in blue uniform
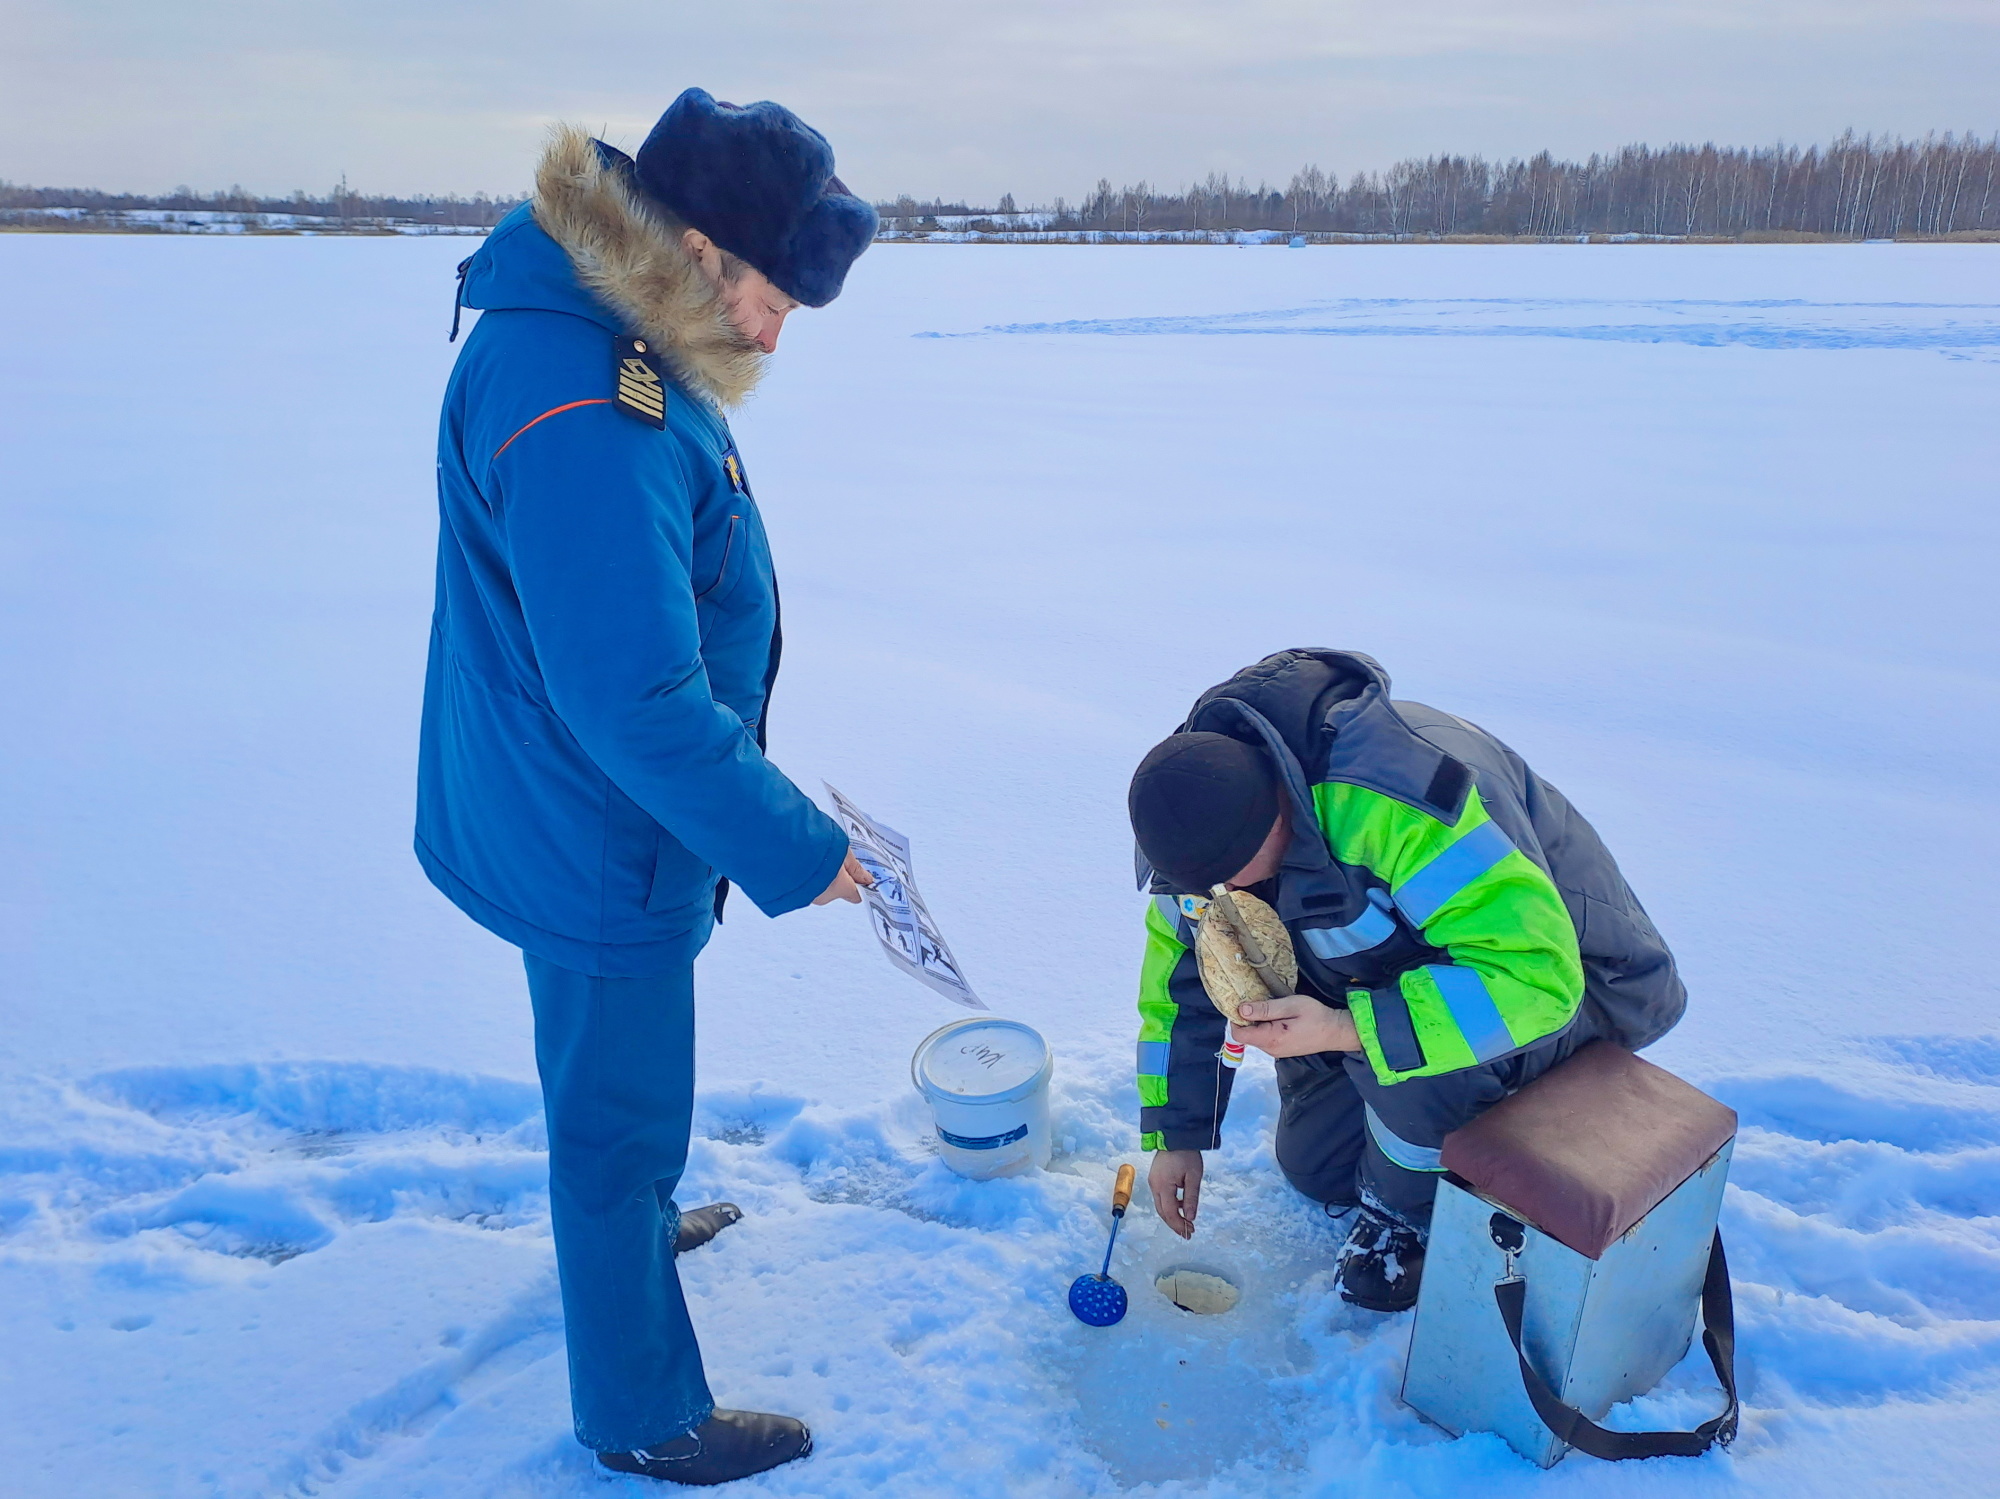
{"points": [[592, 773]]}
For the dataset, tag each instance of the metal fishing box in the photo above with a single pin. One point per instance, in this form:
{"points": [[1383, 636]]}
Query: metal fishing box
{"points": [[1574, 1241]]}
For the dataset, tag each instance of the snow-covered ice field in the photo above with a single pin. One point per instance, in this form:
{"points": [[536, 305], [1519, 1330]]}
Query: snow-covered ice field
{"points": [[1709, 534]]}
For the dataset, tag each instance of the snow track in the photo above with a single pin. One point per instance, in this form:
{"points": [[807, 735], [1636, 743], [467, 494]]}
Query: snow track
{"points": [[1961, 330], [1864, 1233]]}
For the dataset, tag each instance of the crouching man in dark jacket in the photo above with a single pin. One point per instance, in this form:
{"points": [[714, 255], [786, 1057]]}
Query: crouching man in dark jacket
{"points": [[601, 658], [1459, 929]]}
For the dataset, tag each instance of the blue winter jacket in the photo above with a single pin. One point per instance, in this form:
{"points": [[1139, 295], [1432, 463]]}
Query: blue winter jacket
{"points": [[603, 647]]}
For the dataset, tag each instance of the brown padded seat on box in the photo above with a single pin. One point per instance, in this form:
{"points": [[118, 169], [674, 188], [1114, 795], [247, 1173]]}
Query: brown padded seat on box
{"points": [[1591, 1146]]}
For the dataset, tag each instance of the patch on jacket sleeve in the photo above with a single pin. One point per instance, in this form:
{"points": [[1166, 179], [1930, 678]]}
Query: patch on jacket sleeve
{"points": [[641, 391], [733, 467]]}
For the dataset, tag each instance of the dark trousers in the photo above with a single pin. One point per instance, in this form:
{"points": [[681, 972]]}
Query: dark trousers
{"points": [[1332, 1150], [617, 1064]]}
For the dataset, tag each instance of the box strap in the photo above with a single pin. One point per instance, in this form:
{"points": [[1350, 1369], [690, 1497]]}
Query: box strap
{"points": [[1718, 1336]]}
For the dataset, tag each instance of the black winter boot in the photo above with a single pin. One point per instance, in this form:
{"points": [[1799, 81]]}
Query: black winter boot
{"points": [[1381, 1264], [727, 1446], [699, 1225]]}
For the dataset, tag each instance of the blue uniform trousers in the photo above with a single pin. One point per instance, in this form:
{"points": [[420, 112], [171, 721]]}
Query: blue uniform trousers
{"points": [[617, 1062]]}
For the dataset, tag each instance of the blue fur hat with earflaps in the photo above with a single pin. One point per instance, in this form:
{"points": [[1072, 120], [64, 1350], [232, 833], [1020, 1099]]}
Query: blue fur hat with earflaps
{"points": [[758, 180]]}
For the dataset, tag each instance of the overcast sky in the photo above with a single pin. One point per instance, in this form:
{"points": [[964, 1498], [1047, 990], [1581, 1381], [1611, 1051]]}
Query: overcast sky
{"points": [[956, 97]]}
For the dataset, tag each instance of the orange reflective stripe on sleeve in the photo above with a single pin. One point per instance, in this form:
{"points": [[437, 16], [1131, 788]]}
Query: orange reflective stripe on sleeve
{"points": [[552, 411]]}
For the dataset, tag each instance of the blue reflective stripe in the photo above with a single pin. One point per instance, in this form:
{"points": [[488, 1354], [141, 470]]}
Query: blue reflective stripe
{"points": [[983, 1142], [1374, 928], [1472, 1010], [1451, 871], [1400, 1151], [1153, 1058]]}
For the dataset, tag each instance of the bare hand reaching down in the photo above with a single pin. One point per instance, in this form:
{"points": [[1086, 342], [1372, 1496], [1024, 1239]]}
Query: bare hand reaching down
{"points": [[1175, 1182]]}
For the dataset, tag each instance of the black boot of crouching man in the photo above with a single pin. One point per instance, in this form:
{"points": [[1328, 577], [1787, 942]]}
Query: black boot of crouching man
{"points": [[727, 1446], [1381, 1264], [699, 1225]]}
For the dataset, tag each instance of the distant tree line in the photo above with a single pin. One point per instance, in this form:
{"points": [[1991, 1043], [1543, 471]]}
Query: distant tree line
{"points": [[339, 203], [1858, 188]]}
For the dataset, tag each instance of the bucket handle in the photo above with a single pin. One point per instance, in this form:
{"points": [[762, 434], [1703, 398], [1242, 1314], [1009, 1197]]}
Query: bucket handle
{"points": [[1718, 1336]]}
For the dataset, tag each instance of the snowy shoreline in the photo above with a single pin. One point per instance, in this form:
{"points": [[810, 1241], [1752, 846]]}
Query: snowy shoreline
{"points": [[231, 222]]}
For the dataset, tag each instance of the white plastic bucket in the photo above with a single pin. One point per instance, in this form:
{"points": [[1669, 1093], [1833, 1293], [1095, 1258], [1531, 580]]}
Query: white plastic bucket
{"points": [[987, 1082]]}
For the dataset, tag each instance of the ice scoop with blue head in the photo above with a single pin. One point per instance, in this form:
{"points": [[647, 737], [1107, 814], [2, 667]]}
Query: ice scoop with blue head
{"points": [[1098, 1300]]}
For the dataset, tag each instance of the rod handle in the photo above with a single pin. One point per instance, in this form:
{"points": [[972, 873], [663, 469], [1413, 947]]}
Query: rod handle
{"points": [[1121, 1194]]}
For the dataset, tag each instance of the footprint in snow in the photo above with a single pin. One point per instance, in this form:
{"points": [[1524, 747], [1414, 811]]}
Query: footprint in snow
{"points": [[1863, 1223], [267, 1162]]}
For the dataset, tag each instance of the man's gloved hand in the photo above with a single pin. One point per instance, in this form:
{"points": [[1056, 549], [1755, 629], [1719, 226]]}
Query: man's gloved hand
{"points": [[1296, 1026], [1175, 1182]]}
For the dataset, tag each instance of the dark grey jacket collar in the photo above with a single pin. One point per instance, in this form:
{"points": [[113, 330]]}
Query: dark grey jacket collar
{"points": [[1332, 710], [1326, 715]]}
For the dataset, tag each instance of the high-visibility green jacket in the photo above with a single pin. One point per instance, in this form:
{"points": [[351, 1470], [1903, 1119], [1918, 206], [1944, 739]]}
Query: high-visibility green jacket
{"points": [[1450, 898]]}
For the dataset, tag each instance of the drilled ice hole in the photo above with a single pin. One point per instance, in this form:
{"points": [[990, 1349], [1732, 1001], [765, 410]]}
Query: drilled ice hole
{"points": [[1202, 1292]]}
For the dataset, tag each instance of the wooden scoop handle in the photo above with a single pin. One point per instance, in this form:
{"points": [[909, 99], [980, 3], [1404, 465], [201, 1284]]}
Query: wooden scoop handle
{"points": [[1121, 1194]]}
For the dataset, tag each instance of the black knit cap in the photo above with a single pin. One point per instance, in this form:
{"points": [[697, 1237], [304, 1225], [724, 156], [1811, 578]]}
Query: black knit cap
{"points": [[1202, 805]]}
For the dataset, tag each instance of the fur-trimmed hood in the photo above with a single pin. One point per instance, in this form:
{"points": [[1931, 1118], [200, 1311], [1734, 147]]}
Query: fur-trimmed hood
{"points": [[627, 253]]}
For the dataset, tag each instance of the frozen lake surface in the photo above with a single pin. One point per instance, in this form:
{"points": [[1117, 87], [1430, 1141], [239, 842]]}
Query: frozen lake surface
{"points": [[1708, 534]]}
